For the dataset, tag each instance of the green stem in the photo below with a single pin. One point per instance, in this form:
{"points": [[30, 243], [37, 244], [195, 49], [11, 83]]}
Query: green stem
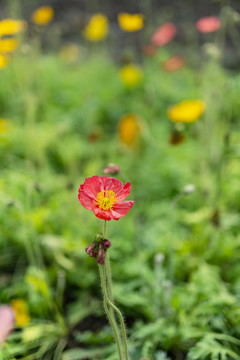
{"points": [[109, 315], [109, 298], [124, 335], [109, 287], [109, 279]]}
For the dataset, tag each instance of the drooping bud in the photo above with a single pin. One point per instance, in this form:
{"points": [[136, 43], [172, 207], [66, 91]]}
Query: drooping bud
{"points": [[101, 256], [106, 243], [92, 249], [111, 169]]}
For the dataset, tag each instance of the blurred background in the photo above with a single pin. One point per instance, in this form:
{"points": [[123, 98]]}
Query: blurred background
{"points": [[147, 92]]}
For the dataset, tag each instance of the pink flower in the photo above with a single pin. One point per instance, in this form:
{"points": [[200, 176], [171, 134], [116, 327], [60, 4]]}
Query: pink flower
{"points": [[111, 169], [104, 196], [164, 34], [208, 24], [7, 322]]}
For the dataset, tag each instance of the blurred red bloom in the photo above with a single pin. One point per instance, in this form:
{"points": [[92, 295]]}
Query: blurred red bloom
{"points": [[111, 169], [164, 34], [174, 63], [7, 322], [104, 196], [208, 24], [149, 50]]}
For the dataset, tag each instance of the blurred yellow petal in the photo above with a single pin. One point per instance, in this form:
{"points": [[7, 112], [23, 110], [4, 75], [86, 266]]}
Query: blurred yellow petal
{"points": [[11, 27], [3, 61], [43, 15], [130, 22], [131, 75], [97, 28], [8, 45], [129, 129], [188, 111], [5, 126], [21, 312], [69, 53]]}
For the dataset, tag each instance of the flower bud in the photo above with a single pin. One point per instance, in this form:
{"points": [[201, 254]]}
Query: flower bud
{"points": [[101, 256], [111, 169], [106, 243], [92, 249]]}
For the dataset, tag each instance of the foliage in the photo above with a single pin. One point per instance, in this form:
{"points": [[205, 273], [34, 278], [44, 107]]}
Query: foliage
{"points": [[175, 259]]}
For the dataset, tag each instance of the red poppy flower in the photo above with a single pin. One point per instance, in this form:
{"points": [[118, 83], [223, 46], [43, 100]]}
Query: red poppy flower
{"points": [[104, 196], [208, 24], [164, 34], [174, 63]]}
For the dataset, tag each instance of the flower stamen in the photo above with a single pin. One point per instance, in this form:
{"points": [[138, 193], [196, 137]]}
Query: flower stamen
{"points": [[106, 199]]}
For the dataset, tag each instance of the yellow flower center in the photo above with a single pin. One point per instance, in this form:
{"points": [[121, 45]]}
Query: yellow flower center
{"points": [[106, 199]]}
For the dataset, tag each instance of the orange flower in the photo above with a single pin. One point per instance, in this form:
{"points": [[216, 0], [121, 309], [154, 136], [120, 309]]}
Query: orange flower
{"points": [[129, 129], [43, 15], [97, 28], [11, 27], [188, 111], [21, 312], [8, 45], [130, 22], [174, 63], [131, 75]]}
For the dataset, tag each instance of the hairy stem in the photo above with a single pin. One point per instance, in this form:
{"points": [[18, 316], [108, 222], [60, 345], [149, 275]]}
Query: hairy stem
{"points": [[109, 315]]}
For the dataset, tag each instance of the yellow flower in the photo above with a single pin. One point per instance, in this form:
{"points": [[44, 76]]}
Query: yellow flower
{"points": [[131, 22], [21, 312], [43, 15], [188, 111], [97, 28], [4, 125], [69, 53], [131, 75], [3, 61], [8, 45], [11, 27], [129, 129]]}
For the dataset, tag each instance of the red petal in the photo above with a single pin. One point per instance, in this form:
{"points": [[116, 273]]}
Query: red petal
{"points": [[92, 186], [121, 209], [111, 183], [124, 192], [102, 214], [85, 200]]}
